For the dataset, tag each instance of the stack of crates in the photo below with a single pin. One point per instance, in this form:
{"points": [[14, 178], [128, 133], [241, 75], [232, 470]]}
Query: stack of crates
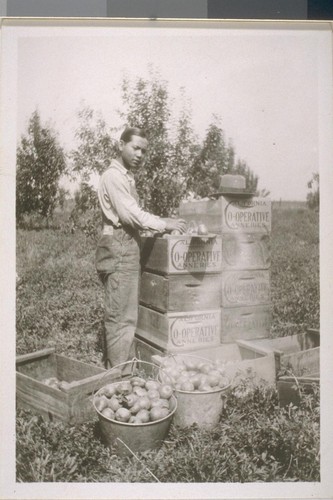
{"points": [[244, 225], [180, 292]]}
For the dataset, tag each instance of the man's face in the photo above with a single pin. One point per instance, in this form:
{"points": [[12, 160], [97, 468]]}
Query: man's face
{"points": [[133, 152]]}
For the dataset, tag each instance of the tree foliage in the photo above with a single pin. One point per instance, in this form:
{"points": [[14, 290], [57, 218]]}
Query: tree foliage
{"points": [[312, 197], [177, 165], [40, 163]]}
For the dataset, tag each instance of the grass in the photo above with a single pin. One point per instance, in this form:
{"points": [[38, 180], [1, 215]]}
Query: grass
{"points": [[60, 304]]}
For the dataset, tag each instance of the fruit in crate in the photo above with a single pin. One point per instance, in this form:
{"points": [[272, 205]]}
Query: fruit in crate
{"points": [[193, 374], [134, 401]]}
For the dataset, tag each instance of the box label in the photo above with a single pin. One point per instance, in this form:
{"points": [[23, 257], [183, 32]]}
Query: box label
{"points": [[195, 255], [199, 329], [250, 214], [245, 323], [245, 288]]}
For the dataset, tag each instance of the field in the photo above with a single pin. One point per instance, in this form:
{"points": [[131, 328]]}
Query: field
{"points": [[60, 304]]}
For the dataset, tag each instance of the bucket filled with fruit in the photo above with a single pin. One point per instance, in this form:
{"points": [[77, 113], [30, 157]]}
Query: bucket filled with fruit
{"points": [[136, 410], [200, 387]]}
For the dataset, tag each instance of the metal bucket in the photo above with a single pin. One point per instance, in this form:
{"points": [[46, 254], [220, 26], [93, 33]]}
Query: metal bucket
{"points": [[130, 438], [201, 408]]}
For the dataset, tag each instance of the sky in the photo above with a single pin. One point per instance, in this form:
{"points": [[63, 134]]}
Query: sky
{"points": [[263, 84]]}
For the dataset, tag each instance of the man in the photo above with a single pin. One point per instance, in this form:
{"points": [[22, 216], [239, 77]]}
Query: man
{"points": [[118, 250]]}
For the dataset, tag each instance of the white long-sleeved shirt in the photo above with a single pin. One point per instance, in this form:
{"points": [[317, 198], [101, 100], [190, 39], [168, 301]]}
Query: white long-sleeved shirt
{"points": [[119, 201]]}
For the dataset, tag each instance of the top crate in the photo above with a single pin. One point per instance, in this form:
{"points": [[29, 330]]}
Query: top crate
{"points": [[186, 254], [230, 214]]}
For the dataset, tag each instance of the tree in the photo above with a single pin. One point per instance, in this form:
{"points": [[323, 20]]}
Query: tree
{"points": [[40, 163], [312, 198]]}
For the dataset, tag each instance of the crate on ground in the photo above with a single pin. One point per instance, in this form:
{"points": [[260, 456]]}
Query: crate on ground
{"points": [[241, 323], [297, 353], [183, 292], [179, 331], [230, 214], [69, 397], [290, 388], [238, 362], [181, 254]]}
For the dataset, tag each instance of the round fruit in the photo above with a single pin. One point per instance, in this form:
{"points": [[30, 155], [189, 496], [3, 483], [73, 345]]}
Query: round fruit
{"points": [[176, 232], [153, 394], [122, 415], [202, 229], [206, 368], [139, 381], [187, 386], [124, 387], [109, 390], [140, 391], [113, 403], [144, 403], [161, 403], [131, 399], [143, 416], [108, 413], [165, 391], [135, 408], [101, 403], [204, 387], [157, 413], [152, 384]]}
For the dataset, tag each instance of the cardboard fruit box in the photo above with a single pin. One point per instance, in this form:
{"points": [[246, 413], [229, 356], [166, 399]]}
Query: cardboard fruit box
{"points": [[230, 214], [238, 362], [183, 292], [181, 254], [297, 353], [179, 331], [68, 401]]}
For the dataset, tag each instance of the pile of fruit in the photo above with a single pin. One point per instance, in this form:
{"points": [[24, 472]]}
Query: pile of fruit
{"points": [[55, 383], [192, 374], [135, 401]]}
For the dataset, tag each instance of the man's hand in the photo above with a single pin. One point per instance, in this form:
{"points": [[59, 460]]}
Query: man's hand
{"points": [[175, 224]]}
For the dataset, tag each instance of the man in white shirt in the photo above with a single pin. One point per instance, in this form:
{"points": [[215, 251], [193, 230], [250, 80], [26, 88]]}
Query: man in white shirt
{"points": [[118, 250]]}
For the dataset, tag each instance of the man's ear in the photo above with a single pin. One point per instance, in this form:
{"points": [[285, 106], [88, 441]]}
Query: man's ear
{"points": [[121, 145]]}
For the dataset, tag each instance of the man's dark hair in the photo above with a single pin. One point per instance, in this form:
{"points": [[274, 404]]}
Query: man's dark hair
{"points": [[128, 133]]}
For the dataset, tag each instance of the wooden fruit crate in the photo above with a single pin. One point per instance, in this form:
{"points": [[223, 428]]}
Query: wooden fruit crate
{"points": [[245, 288], [289, 388], [245, 323], [245, 251], [298, 353], [144, 351], [181, 254], [177, 331], [230, 214], [184, 292], [72, 403], [238, 362]]}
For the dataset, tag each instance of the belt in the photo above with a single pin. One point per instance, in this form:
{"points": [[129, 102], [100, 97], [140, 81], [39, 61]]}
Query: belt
{"points": [[108, 229]]}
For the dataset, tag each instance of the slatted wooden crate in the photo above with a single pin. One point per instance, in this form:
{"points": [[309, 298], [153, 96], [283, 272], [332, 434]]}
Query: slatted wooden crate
{"points": [[290, 388], [239, 323], [72, 403], [181, 254], [245, 251], [230, 214], [177, 331], [245, 288], [238, 362], [298, 353], [184, 292]]}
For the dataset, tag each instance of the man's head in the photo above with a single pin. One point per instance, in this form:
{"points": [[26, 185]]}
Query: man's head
{"points": [[133, 146]]}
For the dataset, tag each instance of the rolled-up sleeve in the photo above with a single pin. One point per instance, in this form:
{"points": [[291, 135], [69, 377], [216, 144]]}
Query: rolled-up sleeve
{"points": [[119, 205]]}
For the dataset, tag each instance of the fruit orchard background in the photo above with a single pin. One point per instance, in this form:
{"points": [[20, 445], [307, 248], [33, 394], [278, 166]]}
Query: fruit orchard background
{"points": [[60, 304]]}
